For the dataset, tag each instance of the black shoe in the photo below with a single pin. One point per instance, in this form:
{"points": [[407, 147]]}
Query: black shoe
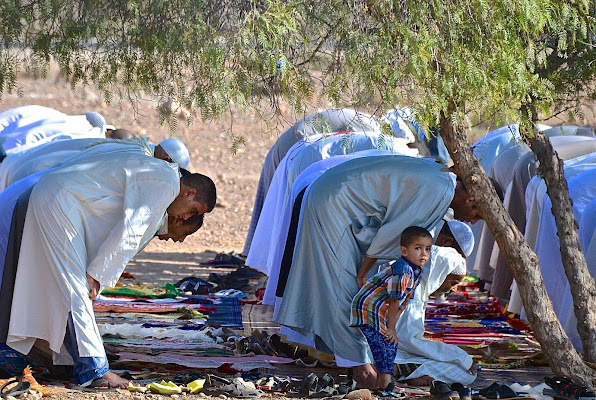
{"points": [[497, 390], [443, 391], [465, 393]]}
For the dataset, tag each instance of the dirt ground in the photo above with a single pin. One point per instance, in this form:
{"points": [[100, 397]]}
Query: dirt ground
{"points": [[236, 177]]}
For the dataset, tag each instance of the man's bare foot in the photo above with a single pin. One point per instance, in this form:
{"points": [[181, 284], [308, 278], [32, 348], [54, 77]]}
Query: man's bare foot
{"points": [[115, 380], [365, 376], [424, 380]]}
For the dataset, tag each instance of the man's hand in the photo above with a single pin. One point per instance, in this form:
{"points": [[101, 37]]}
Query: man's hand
{"points": [[391, 336], [93, 287], [473, 369], [360, 280]]}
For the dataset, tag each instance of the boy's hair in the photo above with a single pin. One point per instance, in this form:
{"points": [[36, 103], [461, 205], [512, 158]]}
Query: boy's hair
{"points": [[413, 232], [445, 230]]}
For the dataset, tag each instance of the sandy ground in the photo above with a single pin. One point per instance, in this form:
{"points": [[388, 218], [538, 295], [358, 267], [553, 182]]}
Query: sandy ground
{"points": [[236, 177]]}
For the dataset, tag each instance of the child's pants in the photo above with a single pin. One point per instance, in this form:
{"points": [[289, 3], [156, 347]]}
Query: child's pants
{"points": [[383, 351]]}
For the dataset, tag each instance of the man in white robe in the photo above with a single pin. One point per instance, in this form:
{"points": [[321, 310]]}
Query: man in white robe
{"points": [[299, 157], [321, 123], [353, 215], [582, 190], [23, 128], [49, 155], [567, 147], [433, 359], [85, 221]]}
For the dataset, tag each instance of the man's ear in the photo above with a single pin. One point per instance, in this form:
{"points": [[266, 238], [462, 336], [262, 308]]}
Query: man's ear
{"points": [[403, 250], [190, 192]]}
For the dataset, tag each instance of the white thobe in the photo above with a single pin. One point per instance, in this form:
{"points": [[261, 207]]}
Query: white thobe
{"points": [[582, 190], [321, 123], [300, 156], [49, 155], [487, 149], [502, 172], [90, 217], [356, 209], [442, 361], [567, 147], [26, 127]]}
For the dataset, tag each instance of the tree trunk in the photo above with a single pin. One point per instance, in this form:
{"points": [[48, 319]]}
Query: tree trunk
{"points": [[581, 283], [561, 355]]}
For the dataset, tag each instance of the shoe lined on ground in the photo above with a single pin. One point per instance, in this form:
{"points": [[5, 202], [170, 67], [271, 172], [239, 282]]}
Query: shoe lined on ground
{"points": [[443, 391], [497, 390], [14, 387], [389, 393], [216, 386], [465, 393], [566, 388]]}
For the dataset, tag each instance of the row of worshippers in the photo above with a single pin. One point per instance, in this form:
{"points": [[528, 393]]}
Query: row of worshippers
{"points": [[70, 222], [335, 194], [508, 160]]}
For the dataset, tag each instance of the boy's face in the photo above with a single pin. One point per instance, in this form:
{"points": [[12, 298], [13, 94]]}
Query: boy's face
{"points": [[418, 251]]}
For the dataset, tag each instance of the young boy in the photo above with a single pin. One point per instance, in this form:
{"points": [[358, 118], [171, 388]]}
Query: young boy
{"points": [[378, 304]]}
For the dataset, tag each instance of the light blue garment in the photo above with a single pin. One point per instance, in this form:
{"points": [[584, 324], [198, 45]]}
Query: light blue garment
{"points": [[356, 209], [299, 157], [582, 190], [280, 231], [324, 122], [488, 147]]}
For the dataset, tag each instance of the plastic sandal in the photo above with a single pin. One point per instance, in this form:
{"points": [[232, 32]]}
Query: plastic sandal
{"points": [[98, 385], [19, 388]]}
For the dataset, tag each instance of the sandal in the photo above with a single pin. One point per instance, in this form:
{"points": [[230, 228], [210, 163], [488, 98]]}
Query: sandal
{"points": [[216, 386], [20, 387], [309, 385], [388, 392], [498, 390], [564, 387], [96, 385]]}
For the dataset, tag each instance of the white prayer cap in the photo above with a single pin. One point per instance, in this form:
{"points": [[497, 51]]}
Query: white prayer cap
{"points": [[96, 120], [177, 152], [463, 236]]}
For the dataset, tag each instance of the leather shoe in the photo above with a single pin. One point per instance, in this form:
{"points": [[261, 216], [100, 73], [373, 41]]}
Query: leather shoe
{"points": [[465, 393], [443, 391]]}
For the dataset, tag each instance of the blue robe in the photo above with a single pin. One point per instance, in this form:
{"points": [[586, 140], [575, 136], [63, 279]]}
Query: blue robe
{"points": [[356, 209]]}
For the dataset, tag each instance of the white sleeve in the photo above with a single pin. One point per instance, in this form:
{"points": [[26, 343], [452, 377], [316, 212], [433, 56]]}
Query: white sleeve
{"points": [[146, 198]]}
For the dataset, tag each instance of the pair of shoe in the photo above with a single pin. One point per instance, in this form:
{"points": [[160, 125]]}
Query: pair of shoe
{"points": [[313, 387], [196, 286], [14, 387], [389, 393], [497, 390], [565, 387], [455, 391], [217, 386]]}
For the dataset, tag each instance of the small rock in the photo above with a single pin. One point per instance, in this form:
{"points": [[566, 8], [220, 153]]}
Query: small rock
{"points": [[361, 394], [174, 396], [222, 396], [137, 397], [10, 398], [201, 394]]}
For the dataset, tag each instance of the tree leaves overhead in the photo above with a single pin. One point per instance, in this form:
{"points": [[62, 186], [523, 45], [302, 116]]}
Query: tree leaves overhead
{"points": [[485, 55]]}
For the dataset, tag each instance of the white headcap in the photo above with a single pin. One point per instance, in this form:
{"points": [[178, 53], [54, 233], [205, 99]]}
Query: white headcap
{"points": [[177, 152], [463, 236]]}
